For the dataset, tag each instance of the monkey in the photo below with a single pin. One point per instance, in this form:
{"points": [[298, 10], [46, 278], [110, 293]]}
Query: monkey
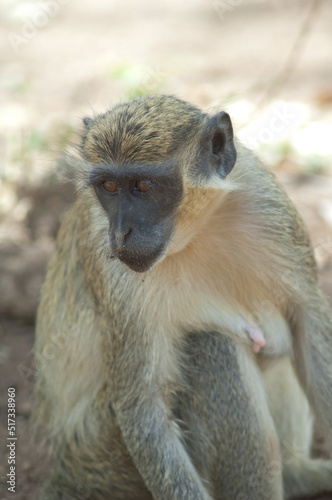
{"points": [[180, 258]]}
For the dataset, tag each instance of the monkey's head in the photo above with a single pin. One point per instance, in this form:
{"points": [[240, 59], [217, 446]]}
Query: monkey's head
{"points": [[156, 164]]}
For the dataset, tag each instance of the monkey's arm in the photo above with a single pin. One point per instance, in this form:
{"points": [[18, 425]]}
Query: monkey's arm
{"points": [[158, 454], [148, 427]]}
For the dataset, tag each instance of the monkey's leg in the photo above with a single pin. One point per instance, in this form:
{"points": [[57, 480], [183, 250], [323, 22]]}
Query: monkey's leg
{"points": [[123, 485], [312, 328], [88, 477], [230, 433], [293, 420], [95, 466]]}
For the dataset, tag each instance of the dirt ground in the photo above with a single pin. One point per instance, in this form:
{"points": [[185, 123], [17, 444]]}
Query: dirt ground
{"points": [[64, 59]]}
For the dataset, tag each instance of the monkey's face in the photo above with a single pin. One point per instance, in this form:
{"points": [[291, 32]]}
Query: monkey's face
{"points": [[153, 162], [141, 204]]}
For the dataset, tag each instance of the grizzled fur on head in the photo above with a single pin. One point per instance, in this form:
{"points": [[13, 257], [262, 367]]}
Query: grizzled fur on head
{"points": [[149, 131], [145, 129]]}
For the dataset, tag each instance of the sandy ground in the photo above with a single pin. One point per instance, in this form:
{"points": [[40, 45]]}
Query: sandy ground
{"points": [[62, 64]]}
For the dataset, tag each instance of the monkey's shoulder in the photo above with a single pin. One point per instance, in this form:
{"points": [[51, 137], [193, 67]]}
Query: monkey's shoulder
{"points": [[264, 202]]}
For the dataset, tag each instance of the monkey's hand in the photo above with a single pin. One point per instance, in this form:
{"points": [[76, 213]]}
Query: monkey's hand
{"points": [[256, 336]]}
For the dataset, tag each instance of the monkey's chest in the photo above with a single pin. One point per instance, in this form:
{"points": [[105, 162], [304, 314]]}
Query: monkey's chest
{"points": [[201, 312]]}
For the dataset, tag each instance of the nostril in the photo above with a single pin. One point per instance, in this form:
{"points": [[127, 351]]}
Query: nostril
{"points": [[128, 233], [122, 236]]}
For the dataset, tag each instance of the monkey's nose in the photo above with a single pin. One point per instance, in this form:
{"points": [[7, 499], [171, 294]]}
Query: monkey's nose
{"points": [[121, 237]]}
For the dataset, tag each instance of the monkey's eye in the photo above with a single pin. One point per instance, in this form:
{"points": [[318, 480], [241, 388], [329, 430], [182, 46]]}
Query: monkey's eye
{"points": [[143, 186], [110, 186]]}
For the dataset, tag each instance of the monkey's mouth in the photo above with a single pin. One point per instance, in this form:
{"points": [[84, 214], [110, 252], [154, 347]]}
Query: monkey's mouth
{"points": [[137, 265], [138, 262]]}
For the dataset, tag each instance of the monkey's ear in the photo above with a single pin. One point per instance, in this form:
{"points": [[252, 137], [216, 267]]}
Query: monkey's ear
{"points": [[87, 122], [220, 136]]}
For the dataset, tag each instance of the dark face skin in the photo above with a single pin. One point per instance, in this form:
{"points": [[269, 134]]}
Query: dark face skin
{"points": [[141, 204]]}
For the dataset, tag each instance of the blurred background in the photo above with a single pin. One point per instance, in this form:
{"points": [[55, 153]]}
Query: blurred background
{"points": [[267, 62]]}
